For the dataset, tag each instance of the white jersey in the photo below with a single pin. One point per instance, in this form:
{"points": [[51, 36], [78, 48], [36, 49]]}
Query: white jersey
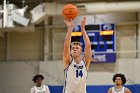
{"points": [[114, 90], [42, 89], [75, 78]]}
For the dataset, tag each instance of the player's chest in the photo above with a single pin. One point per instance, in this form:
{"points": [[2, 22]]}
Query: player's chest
{"points": [[40, 90]]}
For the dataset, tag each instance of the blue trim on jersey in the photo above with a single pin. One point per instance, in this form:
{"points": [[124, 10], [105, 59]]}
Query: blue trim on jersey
{"points": [[69, 64], [65, 83], [86, 68], [64, 87], [85, 64]]}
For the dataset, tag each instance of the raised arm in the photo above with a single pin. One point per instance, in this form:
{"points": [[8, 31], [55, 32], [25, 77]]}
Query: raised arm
{"points": [[87, 50], [66, 53]]}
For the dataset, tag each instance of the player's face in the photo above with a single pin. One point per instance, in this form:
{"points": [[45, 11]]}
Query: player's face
{"points": [[118, 81], [76, 50], [39, 81]]}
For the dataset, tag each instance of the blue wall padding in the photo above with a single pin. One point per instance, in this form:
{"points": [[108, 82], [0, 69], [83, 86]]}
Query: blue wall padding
{"points": [[97, 88]]}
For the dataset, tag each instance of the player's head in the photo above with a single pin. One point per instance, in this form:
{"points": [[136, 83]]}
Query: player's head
{"points": [[76, 49], [119, 79], [38, 79]]}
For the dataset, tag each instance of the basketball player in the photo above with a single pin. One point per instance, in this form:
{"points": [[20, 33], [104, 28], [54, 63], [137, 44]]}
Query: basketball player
{"points": [[76, 66], [39, 88], [119, 80]]}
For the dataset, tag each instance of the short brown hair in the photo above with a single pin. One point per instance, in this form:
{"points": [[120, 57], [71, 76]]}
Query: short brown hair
{"points": [[77, 43]]}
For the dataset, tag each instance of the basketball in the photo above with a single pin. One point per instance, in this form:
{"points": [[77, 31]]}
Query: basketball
{"points": [[70, 12]]}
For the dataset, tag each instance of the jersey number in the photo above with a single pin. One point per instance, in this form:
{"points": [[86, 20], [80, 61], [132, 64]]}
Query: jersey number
{"points": [[79, 73]]}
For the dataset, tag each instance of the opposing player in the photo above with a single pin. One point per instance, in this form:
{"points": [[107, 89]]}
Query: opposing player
{"points": [[39, 88], [76, 66], [119, 80]]}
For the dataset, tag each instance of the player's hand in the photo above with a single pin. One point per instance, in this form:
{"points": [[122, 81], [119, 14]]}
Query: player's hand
{"points": [[69, 23], [83, 23]]}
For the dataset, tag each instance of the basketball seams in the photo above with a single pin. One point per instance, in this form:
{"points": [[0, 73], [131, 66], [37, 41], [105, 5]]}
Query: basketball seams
{"points": [[68, 9], [70, 12]]}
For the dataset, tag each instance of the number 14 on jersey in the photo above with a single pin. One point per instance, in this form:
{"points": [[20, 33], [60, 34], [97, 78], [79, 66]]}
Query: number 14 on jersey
{"points": [[79, 73]]}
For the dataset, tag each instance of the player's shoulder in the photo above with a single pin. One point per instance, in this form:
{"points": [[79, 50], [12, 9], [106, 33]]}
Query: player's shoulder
{"points": [[83, 60], [32, 89], [127, 90], [68, 65], [110, 90], [46, 86]]}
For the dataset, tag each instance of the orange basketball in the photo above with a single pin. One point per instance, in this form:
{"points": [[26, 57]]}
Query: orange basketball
{"points": [[70, 12]]}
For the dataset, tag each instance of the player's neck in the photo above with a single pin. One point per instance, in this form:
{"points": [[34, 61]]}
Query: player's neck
{"points": [[118, 86], [77, 59], [38, 85]]}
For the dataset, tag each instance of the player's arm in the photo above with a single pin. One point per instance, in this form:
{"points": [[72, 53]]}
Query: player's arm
{"points": [[93, 60], [127, 90], [109, 90], [87, 50], [67, 42]]}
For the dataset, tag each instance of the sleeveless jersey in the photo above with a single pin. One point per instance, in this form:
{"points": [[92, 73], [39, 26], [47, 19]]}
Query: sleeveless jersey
{"points": [[75, 77], [42, 89], [122, 90]]}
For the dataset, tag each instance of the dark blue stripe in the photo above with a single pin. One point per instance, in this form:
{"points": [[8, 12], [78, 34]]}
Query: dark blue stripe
{"points": [[64, 88], [65, 81]]}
